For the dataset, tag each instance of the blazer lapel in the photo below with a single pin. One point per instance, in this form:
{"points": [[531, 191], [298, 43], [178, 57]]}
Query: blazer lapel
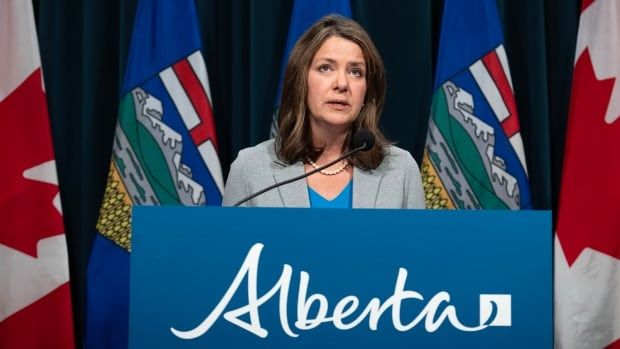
{"points": [[365, 188], [293, 194]]}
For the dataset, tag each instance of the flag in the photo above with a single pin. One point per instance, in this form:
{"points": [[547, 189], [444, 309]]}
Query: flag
{"points": [[303, 16], [164, 153], [587, 243], [474, 157], [35, 297]]}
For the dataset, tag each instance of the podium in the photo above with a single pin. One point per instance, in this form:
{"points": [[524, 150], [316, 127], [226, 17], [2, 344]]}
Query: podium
{"points": [[210, 277]]}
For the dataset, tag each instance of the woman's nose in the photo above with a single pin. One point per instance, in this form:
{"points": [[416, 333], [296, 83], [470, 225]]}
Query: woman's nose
{"points": [[341, 81]]}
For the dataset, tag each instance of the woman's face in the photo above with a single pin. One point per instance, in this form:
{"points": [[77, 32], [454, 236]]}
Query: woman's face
{"points": [[336, 84]]}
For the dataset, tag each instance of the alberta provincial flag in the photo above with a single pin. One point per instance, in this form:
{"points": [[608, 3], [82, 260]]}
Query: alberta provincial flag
{"points": [[474, 157], [164, 153], [304, 14]]}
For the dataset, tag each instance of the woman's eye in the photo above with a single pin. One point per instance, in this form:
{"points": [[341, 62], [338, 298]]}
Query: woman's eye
{"points": [[324, 68], [357, 72]]}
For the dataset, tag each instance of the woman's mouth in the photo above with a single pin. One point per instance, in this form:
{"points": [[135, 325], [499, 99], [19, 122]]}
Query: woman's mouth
{"points": [[338, 104]]}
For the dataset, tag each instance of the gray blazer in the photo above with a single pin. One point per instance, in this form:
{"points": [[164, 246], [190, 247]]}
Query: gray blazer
{"points": [[396, 183]]}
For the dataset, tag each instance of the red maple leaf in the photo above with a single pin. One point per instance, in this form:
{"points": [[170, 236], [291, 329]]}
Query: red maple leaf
{"points": [[28, 214], [585, 4], [614, 345], [588, 210]]}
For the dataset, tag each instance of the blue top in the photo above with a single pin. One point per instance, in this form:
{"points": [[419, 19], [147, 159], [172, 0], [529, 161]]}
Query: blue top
{"points": [[343, 200]]}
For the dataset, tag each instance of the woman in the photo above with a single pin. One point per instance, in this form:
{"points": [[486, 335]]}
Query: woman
{"points": [[334, 85]]}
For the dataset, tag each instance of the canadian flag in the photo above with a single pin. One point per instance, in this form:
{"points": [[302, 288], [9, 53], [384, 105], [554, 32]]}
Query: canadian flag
{"points": [[587, 244], [35, 300]]}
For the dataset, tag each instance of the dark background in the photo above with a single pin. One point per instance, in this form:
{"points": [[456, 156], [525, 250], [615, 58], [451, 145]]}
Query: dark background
{"points": [[84, 45]]}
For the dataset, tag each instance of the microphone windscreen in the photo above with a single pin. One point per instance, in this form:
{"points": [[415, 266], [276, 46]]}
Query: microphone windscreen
{"points": [[363, 137]]}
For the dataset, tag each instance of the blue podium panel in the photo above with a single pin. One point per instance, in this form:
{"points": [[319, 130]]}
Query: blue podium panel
{"points": [[335, 278]]}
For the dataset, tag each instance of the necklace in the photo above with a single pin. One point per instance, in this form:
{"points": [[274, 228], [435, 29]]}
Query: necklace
{"points": [[342, 167]]}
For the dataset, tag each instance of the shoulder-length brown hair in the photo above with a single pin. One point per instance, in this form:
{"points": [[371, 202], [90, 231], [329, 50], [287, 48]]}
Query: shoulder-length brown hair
{"points": [[293, 141]]}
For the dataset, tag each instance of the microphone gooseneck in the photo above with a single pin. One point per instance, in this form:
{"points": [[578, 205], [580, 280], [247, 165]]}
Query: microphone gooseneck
{"points": [[362, 140]]}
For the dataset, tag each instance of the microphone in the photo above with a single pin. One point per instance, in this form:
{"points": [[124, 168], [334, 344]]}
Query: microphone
{"points": [[362, 140]]}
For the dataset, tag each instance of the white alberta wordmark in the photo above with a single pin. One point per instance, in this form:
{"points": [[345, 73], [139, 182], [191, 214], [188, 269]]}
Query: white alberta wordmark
{"points": [[342, 315]]}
